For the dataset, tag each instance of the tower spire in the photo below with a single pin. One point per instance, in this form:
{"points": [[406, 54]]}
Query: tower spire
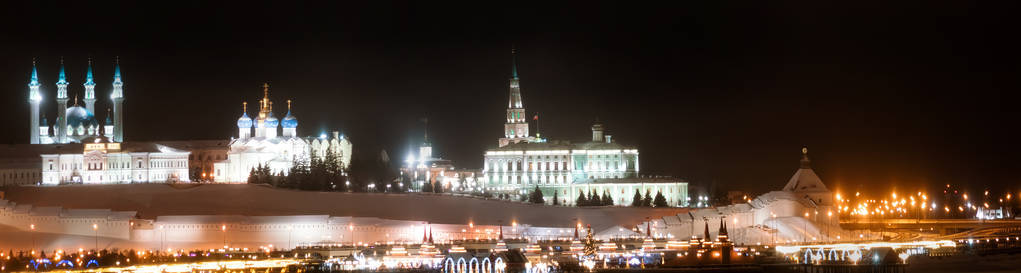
{"points": [[35, 75], [34, 98], [90, 90], [117, 70], [516, 128], [88, 74], [117, 94], [805, 162], [514, 63], [61, 78]]}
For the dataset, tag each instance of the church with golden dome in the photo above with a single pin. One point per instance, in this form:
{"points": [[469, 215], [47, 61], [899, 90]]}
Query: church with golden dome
{"points": [[275, 143]]}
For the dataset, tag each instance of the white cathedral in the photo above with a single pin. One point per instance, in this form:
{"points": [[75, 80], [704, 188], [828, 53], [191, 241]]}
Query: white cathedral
{"points": [[268, 148], [76, 123]]}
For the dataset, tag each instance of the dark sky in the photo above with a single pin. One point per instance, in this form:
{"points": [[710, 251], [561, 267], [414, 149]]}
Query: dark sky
{"points": [[884, 96]]}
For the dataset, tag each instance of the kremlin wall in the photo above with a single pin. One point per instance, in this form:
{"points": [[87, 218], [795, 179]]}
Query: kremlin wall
{"points": [[178, 216]]}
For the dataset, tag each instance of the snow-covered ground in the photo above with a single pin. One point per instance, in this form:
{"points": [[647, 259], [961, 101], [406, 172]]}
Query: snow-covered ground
{"points": [[152, 200]]}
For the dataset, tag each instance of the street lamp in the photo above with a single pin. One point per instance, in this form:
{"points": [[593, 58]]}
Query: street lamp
{"points": [[163, 236], [806, 226], [32, 227], [351, 228], [290, 229], [95, 230], [223, 229]]}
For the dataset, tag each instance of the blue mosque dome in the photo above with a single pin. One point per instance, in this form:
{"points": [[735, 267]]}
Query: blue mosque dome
{"points": [[78, 115], [271, 121], [290, 121], [244, 121]]}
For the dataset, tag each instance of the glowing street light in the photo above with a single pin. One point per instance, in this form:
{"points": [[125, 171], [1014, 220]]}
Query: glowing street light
{"points": [[32, 227], [223, 229], [95, 230]]}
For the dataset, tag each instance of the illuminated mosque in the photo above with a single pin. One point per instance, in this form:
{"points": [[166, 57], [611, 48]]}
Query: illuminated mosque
{"points": [[268, 148], [76, 124]]}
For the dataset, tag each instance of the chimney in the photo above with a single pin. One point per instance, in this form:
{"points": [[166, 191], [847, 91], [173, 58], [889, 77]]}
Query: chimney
{"points": [[609, 139]]}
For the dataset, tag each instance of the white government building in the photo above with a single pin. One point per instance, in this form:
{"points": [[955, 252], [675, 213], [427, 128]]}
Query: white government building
{"points": [[104, 163], [268, 148], [523, 161]]}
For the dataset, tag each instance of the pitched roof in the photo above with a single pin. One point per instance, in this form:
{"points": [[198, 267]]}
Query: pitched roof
{"points": [[805, 179]]}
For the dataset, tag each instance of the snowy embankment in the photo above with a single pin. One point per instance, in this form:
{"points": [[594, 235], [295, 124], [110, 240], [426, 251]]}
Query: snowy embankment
{"points": [[152, 200]]}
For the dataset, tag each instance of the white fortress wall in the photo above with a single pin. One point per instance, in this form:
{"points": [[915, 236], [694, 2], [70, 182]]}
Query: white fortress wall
{"points": [[85, 222], [772, 216]]}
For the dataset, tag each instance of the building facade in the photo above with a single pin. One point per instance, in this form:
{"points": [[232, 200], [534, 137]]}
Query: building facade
{"points": [[78, 122], [113, 162], [522, 161], [269, 147]]}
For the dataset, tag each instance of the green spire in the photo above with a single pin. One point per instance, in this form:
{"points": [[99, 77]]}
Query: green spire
{"points": [[88, 74], [514, 64], [117, 70], [62, 79], [35, 75]]}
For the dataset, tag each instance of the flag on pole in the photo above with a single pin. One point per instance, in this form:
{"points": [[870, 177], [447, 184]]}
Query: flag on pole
{"points": [[536, 116]]}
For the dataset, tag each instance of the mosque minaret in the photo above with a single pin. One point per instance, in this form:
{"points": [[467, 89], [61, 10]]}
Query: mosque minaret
{"points": [[76, 123]]}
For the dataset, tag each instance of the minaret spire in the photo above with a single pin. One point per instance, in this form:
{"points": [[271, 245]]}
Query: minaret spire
{"points": [[61, 78], [88, 74], [90, 90], [34, 98], [60, 130], [35, 74], [117, 70], [117, 94]]}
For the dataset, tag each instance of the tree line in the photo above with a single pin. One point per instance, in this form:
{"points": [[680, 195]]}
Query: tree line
{"points": [[311, 174], [595, 199]]}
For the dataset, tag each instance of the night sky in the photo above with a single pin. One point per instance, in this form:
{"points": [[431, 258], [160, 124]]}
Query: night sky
{"points": [[884, 96]]}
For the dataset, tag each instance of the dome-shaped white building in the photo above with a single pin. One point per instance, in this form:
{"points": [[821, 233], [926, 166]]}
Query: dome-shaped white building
{"points": [[268, 148]]}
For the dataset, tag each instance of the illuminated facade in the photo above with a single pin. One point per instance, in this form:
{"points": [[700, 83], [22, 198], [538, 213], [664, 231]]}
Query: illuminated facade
{"points": [[515, 130], [426, 167], [114, 162], [556, 163], [523, 161], [268, 148], [75, 123]]}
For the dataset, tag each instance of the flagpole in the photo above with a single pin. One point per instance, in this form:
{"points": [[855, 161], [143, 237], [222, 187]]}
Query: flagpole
{"points": [[536, 118]]}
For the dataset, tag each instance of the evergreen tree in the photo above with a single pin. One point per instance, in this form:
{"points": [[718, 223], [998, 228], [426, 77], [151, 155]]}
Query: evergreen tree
{"points": [[536, 196], [647, 202], [556, 198], [333, 172], [660, 201], [581, 202], [636, 201], [253, 177], [592, 199], [607, 200]]}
